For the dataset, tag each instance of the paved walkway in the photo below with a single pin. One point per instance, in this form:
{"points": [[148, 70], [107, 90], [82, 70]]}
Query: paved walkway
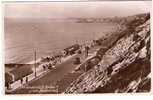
{"points": [[50, 78], [40, 72]]}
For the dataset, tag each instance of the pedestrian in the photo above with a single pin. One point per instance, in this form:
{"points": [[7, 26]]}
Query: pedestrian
{"points": [[26, 79], [21, 80]]}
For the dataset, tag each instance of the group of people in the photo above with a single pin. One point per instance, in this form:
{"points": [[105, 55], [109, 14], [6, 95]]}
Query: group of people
{"points": [[26, 80], [51, 61]]}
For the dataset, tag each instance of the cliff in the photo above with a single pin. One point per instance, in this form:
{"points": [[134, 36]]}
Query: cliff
{"points": [[124, 67]]}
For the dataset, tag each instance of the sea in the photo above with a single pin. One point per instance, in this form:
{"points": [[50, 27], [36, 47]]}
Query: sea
{"points": [[24, 36]]}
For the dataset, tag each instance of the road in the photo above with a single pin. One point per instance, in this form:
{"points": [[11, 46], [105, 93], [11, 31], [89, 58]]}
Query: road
{"points": [[61, 69], [49, 79], [56, 74]]}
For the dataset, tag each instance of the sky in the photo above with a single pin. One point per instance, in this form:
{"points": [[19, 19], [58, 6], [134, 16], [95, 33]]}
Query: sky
{"points": [[74, 9]]}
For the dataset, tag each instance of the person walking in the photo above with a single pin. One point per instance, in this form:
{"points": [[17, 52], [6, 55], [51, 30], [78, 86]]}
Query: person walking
{"points": [[26, 79], [21, 80]]}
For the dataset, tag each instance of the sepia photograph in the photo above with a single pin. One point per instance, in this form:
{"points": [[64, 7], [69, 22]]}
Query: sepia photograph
{"points": [[77, 47]]}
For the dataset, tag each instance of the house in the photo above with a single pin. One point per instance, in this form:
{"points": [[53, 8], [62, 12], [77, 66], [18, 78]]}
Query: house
{"points": [[22, 71], [18, 73]]}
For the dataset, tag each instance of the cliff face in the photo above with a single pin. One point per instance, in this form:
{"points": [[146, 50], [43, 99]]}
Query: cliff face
{"points": [[124, 67]]}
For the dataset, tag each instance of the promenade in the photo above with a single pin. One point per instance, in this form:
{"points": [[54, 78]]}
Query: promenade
{"points": [[49, 78]]}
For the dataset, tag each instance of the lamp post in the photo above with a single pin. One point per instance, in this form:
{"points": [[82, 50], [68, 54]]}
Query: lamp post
{"points": [[35, 63], [86, 51]]}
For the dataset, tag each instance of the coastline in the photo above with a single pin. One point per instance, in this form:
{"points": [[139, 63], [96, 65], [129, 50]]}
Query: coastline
{"points": [[39, 59]]}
